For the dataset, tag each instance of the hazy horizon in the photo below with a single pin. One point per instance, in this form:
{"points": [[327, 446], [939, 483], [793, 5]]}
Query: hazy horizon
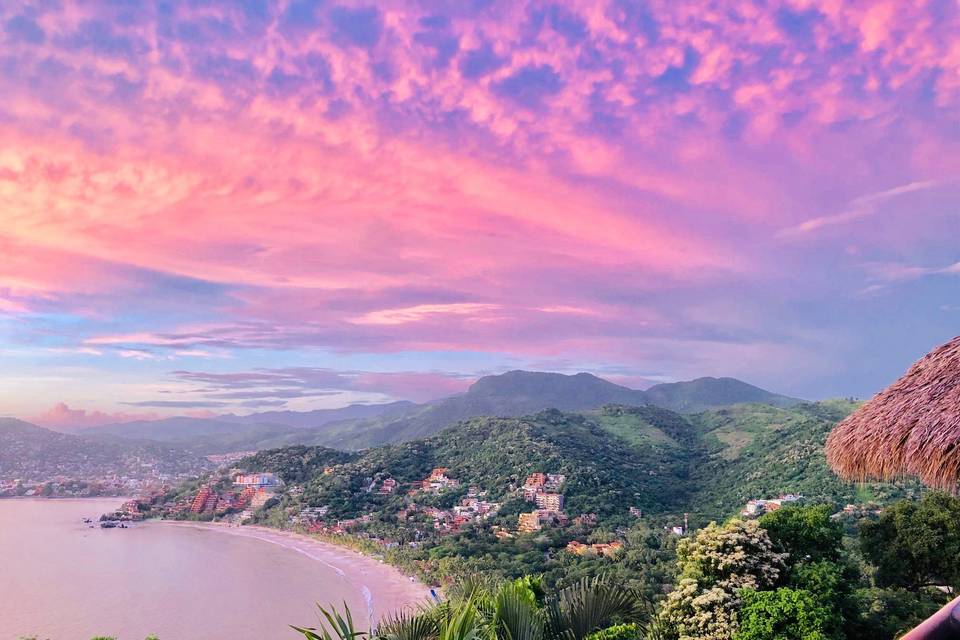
{"points": [[63, 418]]}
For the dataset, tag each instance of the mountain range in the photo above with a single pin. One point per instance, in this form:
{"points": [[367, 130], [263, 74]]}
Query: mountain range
{"points": [[511, 394]]}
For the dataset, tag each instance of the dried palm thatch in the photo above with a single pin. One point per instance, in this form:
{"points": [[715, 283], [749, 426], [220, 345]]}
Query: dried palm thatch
{"points": [[911, 428]]}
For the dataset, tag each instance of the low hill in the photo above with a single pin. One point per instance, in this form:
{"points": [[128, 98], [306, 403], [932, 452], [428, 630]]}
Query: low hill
{"points": [[31, 453], [704, 394], [603, 475], [320, 417], [647, 425], [204, 435]]}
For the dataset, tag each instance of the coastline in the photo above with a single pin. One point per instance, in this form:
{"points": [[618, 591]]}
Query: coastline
{"points": [[383, 587]]}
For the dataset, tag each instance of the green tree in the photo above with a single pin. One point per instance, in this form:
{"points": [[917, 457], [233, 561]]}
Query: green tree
{"points": [[806, 533], [831, 585], [714, 566], [889, 613], [915, 544], [628, 631], [828, 581], [784, 614]]}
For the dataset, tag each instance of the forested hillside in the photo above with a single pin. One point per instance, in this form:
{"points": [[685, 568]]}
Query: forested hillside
{"points": [[759, 451], [456, 503], [496, 454], [708, 465], [33, 454]]}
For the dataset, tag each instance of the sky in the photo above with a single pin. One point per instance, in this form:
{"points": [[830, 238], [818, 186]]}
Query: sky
{"points": [[212, 207]]}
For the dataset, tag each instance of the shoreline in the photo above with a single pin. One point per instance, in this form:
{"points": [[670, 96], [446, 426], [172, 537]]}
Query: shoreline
{"points": [[383, 587]]}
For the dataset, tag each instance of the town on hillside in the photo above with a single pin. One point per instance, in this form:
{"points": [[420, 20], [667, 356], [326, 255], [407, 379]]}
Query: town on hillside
{"points": [[422, 511]]}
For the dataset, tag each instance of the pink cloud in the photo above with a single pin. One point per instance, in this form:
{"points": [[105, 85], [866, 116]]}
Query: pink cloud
{"points": [[420, 312], [61, 416], [552, 186]]}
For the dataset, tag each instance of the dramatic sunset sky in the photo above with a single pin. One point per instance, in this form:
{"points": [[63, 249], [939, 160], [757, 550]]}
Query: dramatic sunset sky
{"points": [[240, 206]]}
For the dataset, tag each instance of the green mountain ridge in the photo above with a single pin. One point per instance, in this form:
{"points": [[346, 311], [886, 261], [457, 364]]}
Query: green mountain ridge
{"points": [[511, 394]]}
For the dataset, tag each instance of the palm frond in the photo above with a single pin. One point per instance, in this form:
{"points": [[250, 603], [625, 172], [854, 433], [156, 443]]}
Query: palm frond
{"points": [[588, 606], [476, 587], [341, 624], [408, 625], [460, 622], [516, 615]]}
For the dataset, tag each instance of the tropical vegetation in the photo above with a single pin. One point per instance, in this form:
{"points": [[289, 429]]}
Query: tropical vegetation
{"points": [[834, 567], [791, 574], [591, 609]]}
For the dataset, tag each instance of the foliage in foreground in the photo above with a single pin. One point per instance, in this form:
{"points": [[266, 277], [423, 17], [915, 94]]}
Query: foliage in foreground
{"points": [[915, 544], [788, 576], [714, 566], [591, 609]]}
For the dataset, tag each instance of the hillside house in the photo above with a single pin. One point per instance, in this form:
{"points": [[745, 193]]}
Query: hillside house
{"points": [[205, 501], [549, 501], [529, 522], [257, 480], [759, 507], [542, 483], [586, 520], [438, 480], [260, 498], [537, 519]]}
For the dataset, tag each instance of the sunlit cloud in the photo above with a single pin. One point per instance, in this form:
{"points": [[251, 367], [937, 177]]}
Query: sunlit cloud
{"points": [[603, 182], [421, 312], [62, 416]]}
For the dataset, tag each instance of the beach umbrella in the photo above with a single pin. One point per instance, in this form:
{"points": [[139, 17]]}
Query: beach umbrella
{"points": [[912, 428]]}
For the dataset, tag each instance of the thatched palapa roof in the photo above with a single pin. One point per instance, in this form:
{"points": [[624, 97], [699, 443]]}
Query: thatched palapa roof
{"points": [[911, 428]]}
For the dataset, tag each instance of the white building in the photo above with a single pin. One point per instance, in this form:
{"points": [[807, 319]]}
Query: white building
{"points": [[257, 480]]}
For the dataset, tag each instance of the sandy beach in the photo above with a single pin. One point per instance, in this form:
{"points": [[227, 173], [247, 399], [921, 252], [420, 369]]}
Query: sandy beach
{"points": [[384, 588]]}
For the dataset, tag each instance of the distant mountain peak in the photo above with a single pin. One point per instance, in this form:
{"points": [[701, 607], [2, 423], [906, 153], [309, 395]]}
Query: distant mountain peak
{"points": [[519, 378], [708, 392]]}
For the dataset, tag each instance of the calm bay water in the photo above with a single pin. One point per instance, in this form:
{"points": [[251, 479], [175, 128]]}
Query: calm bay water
{"points": [[61, 580]]}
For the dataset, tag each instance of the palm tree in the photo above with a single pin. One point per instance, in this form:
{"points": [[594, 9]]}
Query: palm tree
{"points": [[517, 610]]}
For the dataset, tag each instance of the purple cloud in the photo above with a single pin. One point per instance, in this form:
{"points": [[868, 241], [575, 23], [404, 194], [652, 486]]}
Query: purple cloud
{"points": [[529, 85], [359, 26]]}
